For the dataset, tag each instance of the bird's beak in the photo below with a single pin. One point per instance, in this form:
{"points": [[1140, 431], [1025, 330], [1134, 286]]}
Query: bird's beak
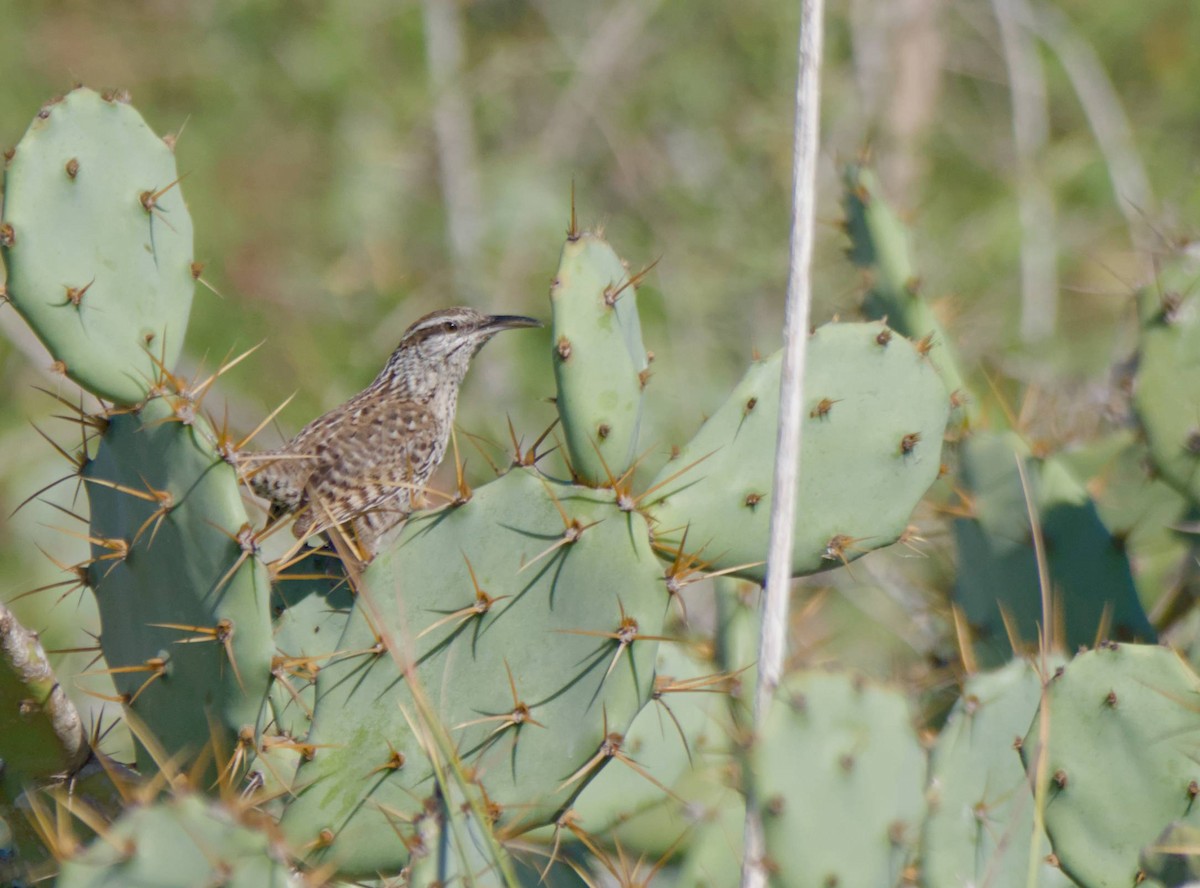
{"points": [[496, 323]]}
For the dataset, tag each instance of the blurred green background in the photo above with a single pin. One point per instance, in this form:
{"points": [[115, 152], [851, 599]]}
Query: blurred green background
{"points": [[352, 165]]}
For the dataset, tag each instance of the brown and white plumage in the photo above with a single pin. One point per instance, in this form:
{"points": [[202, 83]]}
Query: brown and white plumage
{"points": [[366, 461]]}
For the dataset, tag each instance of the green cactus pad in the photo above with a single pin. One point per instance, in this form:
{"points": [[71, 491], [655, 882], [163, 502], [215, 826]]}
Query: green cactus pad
{"points": [[714, 854], [463, 855], [179, 843], [1166, 392], [873, 429], [166, 514], [980, 804], [840, 774], [311, 602], [1090, 576], [682, 741], [1141, 510], [738, 628], [102, 279], [879, 243], [452, 845], [1173, 859], [545, 618], [1121, 762], [599, 358]]}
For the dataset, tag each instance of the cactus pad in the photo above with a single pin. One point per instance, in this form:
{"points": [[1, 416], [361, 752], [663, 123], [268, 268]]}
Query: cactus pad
{"points": [[179, 843], [529, 618], [981, 807], [1121, 762], [872, 446], [841, 777], [1090, 577], [599, 359], [879, 243], [98, 243], [1167, 388], [183, 599]]}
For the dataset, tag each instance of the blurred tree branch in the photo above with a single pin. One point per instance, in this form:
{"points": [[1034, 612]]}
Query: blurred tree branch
{"points": [[1105, 114], [455, 133], [1031, 129]]}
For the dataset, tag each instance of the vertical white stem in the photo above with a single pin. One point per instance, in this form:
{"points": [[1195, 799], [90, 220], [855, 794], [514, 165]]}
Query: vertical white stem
{"points": [[791, 398]]}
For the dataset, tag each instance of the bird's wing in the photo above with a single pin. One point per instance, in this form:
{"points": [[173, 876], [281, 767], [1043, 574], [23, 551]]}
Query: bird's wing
{"points": [[373, 455]]}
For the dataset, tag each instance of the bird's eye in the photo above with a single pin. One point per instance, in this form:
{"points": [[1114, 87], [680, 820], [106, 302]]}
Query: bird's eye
{"points": [[449, 326]]}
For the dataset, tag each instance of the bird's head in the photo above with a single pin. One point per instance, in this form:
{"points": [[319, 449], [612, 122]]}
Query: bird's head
{"points": [[438, 348]]}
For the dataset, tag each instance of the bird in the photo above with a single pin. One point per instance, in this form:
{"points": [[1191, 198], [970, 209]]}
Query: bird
{"points": [[365, 463]]}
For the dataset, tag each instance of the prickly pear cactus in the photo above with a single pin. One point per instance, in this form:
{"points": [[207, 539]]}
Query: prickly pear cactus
{"points": [[1173, 859], [681, 743], [980, 804], [179, 843], [1167, 387], [599, 360], [872, 446], [1090, 578], [98, 243], [879, 243], [851, 744], [498, 668], [454, 850], [529, 616], [1121, 760], [714, 854], [1141, 511], [311, 602], [183, 597]]}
